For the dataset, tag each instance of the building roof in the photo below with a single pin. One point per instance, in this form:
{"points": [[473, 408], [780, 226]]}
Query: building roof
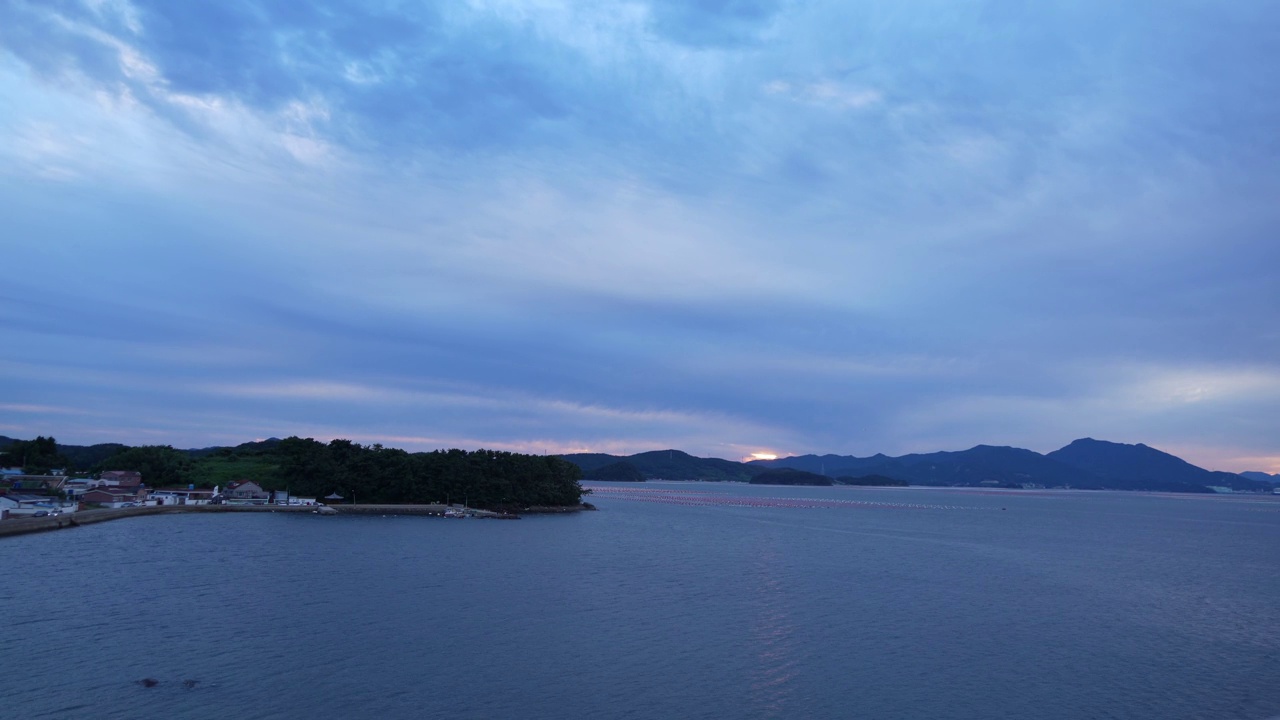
{"points": [[114, 492], [124, 477], [37, 480], [27, 498]]}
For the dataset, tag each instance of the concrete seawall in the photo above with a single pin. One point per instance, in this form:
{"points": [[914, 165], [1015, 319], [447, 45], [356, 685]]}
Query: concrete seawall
{"points": [[20, 526], [87, 517]]}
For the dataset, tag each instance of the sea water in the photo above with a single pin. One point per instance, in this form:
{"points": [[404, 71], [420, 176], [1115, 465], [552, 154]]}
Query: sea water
{"points": [[674, 600]]}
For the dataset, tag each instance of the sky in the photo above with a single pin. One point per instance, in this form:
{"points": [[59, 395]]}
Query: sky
{"points": [[724, 226]]}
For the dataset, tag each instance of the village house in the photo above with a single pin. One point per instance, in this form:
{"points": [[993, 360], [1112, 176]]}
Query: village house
{"points": [[27, 505], [246, 491], [74, 487], [120, 478], [33, 484], [115, 497], [181, 496]]}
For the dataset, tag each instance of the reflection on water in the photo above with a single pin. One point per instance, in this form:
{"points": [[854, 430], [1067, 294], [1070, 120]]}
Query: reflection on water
{"points": [[772, 638]]}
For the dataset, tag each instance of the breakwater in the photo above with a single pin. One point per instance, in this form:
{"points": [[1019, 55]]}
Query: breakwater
{"points": [[22, 526]]}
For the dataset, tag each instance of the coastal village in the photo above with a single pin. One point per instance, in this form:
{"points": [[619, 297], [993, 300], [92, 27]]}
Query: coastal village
{"points": [[35, 496], [33, 503]]}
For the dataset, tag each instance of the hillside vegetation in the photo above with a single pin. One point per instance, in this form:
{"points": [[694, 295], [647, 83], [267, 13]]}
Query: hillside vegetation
{"points": [[365, 473]]}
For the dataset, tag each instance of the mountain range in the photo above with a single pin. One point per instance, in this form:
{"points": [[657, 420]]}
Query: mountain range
{"points": [[1084, 464]]}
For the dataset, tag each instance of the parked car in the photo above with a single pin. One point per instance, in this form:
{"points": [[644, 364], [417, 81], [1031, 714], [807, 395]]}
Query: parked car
{"points": [[40, 513]]}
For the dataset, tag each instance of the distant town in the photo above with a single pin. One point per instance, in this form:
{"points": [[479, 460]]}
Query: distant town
{"points": [[34, 496]]}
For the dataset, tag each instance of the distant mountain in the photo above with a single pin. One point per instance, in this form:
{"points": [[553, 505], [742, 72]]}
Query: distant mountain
{"points": [[789, 476], [1138, 467], [669, 465], [253, 446], [980, 465], [990, 465], [1085, 464], [829, 465], [84, 457], [621, 471], [591, 461]]}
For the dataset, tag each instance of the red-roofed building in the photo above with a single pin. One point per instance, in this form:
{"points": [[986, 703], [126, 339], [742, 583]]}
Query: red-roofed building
{"points": [[115, 497]]}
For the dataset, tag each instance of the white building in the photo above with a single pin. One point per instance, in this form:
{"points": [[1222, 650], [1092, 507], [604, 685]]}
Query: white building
{"points": [[181, 496], [28, 505]]}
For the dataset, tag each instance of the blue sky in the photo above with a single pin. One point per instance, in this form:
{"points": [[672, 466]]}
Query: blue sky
{"points": [[730, 227]]}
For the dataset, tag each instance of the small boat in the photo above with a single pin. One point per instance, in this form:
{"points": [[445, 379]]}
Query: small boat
{"points": [[454, 513]]}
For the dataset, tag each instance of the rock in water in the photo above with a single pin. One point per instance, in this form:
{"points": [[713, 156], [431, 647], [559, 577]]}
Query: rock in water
{"points": [[148, 682]]}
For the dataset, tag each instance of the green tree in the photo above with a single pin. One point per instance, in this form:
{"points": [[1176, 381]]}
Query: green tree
{"points": [[160, 465], [36, 457]]}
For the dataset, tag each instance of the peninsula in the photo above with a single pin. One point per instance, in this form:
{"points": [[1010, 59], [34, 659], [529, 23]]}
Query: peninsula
{"points": [[337, 473]]}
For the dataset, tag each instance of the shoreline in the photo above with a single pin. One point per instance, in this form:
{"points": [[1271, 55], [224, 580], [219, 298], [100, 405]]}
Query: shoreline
{"points": [[23, 526]]}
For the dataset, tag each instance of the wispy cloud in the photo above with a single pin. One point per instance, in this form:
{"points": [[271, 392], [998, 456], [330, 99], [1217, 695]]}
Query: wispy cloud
{"points": [[826, 93], [729, 228]]}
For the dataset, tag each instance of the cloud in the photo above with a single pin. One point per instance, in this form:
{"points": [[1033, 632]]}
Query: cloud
{"points": [[715, 226], [826, 93]]}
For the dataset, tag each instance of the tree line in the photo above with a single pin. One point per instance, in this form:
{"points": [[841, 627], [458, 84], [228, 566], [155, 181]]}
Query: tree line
{"points": [[363, 473], [372, 473]]}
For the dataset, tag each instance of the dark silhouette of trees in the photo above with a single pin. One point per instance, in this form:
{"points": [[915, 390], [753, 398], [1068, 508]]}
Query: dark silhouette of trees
{"points": [[160, 465], [35, 457], [374, 474]]}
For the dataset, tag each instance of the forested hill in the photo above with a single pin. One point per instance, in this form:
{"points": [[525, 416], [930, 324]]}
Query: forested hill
{"points": [[1139, 466], [790, 476], [483, 478], [367, 473]]}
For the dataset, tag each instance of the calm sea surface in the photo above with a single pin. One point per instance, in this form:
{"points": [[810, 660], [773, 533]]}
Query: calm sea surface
{"points": [[676, 600]]}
